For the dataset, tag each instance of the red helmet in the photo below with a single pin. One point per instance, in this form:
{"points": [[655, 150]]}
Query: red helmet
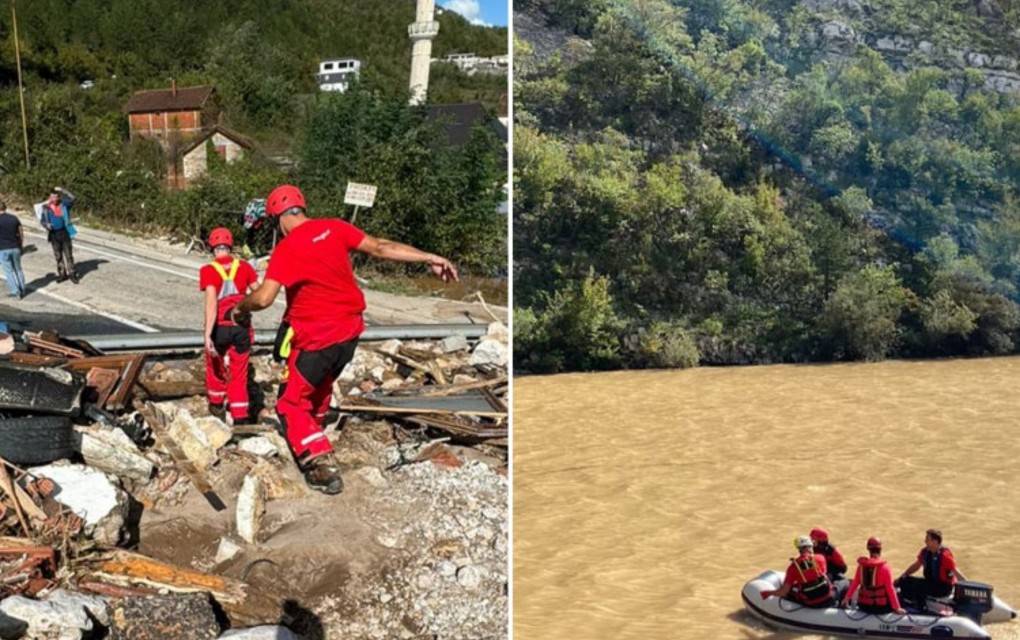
{"points": [[282, 198], [874, 543], [820, 534], [221, 236]]}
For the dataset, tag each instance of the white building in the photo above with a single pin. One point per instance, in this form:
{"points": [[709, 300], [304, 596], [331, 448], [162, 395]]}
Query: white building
{"points": [[471, 63], [336, 75]]}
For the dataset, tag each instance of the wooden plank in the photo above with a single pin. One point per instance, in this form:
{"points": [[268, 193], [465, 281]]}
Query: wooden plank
{"points": [[129, 375], [466, 386], [363, 408], [103, 362], [493, 401], [459, 429], [53, 347], [157, 419], [36, 359], [244, 605]]}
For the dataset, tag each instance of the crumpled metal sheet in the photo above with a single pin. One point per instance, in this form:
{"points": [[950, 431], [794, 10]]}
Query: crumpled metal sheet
{"points": [[43, 390]]}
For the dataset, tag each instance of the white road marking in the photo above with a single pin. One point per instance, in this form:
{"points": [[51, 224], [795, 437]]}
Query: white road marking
{"points": [[81, 305]]}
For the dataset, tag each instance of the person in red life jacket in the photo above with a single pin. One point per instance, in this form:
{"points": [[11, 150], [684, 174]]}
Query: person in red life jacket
{"points": [[324, 309], [56, 219], [806, 580], [226, 280], [873, 583], [940, 571], [834, 562]]}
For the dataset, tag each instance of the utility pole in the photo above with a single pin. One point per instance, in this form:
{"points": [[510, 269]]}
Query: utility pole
{"points": [[21, 88]]}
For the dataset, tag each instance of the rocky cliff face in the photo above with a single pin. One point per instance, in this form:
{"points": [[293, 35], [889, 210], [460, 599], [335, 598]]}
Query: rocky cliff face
{"points": [[982, 39]]}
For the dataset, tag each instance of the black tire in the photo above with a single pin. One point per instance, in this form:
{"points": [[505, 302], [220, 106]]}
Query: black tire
{"points": [[36, 439]]}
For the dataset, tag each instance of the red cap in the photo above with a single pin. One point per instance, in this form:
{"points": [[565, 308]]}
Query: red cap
{"points": [[874, 543], [820, 534], [221, 236], [282, 198]]}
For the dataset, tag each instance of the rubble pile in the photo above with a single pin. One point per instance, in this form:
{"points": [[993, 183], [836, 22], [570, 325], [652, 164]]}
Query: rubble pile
{"points": [[136, 514]]}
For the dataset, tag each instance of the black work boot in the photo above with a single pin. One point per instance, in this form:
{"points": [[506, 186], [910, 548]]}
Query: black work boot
{"points": [[323, 473], [218, 410]]}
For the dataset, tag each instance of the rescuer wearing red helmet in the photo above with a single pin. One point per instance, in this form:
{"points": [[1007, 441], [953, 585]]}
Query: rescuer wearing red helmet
{"points": [[324, 308], [225, 281], [834, 562], [873, 583]]}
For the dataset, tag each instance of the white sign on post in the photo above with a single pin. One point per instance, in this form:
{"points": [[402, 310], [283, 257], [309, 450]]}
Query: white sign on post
{"points": [[360, 195]]}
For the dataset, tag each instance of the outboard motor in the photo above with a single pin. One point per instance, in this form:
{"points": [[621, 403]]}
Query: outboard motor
{"points": [[972, 599]]}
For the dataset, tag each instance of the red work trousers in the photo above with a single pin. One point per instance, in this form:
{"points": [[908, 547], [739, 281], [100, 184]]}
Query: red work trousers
{"points": [[226, 374], [304, 398]]}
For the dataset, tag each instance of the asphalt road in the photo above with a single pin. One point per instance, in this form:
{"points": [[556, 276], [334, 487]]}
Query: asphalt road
{"points": [[129, 285]]}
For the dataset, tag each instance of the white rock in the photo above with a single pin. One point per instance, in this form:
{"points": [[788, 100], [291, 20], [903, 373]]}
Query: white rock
{"points": [[498, 331], [391, 384], [113, 451], [378, 373], [489, 352], [453, 343], [447, 569], [260, 446], [469, 577], [390, 347], [199, 438], [389, 541], [90, 494], [251, 504], [227, 550], [461, 378], [62, 616], [261, 633]]}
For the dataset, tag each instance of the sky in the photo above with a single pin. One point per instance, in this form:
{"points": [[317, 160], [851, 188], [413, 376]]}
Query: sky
{"points": [[493, 13]]}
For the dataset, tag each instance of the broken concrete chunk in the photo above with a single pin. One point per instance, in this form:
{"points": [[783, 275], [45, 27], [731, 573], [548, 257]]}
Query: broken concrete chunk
{"points": [[251, 505], [260, 446], [489, 352], [261, 633], [62, 616], [199, 438], [114, 452], [91, 494], [227, 550], [180, 617], [453, 343], [390, 347], [498, 331]]}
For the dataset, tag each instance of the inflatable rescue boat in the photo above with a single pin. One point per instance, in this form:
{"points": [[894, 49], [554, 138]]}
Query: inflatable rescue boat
{"points": [[972, 606]]}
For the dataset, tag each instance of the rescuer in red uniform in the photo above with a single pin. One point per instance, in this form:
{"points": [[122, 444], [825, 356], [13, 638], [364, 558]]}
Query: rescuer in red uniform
{"points": [[873, 583], [324, 309], [225, 281], [805, 578], [834, 562]]}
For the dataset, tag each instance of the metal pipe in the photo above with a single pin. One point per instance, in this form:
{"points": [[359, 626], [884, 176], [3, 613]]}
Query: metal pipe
{"points": [[194, 339]]}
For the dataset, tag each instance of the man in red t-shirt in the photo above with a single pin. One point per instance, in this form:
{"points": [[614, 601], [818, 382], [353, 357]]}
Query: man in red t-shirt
{"points": [[324, 308], [225, 281], [940, 571]]}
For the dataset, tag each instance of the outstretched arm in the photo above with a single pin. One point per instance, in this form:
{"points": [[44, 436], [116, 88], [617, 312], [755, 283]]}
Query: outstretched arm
{"points": [[256, 300], [399, 252]]}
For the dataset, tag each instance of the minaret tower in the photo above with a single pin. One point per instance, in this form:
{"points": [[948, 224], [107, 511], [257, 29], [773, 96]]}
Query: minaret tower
{"points": [[421, 32]]}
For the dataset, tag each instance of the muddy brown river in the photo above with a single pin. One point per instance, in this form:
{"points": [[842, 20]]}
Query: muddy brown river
{"points": [[643, 501]]}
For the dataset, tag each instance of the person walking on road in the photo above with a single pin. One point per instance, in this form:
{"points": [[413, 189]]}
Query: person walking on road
{"points": [[56, 219], [12, 244], [226, 280], [324, 308]]}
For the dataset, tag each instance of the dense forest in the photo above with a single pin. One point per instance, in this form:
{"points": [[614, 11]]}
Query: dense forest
{"points": [[753, 181], [261, 56]]}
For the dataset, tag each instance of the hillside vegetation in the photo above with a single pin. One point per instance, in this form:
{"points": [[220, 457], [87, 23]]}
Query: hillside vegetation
{"points": [[261, 56], [726, 181]]}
